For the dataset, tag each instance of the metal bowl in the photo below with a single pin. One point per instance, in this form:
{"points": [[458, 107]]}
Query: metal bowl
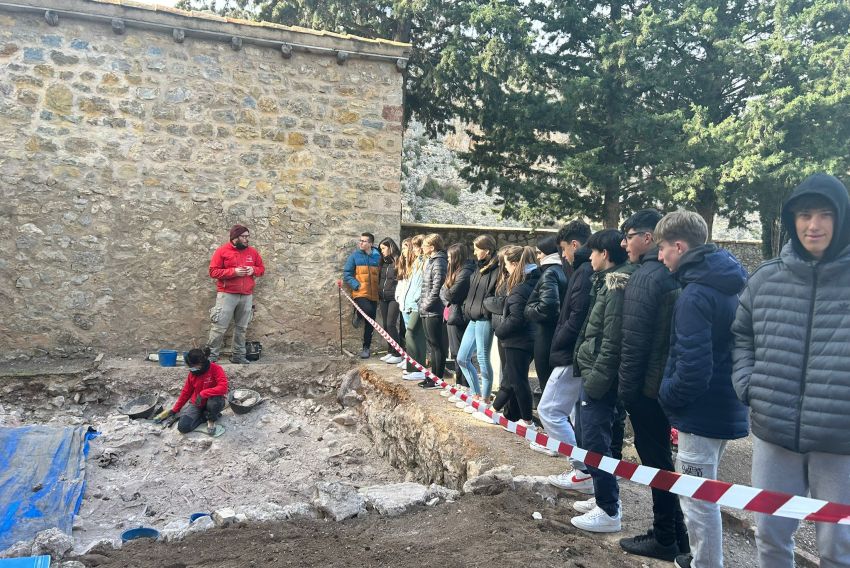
{"points": [[140, 407], [243, 401]]}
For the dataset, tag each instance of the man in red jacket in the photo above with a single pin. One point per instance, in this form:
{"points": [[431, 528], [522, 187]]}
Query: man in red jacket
{"points": [[205, 389], [234, 265]]}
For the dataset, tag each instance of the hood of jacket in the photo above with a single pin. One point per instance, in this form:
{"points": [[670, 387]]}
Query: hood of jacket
{"points": [[830, 188], [713, 267], [551, 260]]}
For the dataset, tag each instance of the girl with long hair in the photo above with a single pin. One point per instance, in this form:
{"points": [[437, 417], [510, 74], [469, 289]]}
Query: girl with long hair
{"points": [[414, 332], [388, 308], [453, 294], [431, 307], [516, 335], [478, 337]]}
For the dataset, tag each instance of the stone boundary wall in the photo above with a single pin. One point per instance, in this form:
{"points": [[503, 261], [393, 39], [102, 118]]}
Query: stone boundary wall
{"points": [[126, 153], [748, 252]]}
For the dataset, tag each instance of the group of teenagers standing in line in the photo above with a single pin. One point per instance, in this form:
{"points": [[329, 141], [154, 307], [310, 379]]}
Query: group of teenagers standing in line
{"points": [[652, 321]]}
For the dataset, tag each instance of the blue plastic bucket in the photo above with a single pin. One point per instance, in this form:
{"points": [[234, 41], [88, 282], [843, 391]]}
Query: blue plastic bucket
{"points": [[141, 532], [167, 358], [195, 516]]}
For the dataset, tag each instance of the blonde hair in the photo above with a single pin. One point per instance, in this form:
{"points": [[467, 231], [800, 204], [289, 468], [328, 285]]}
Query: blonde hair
{"points": [[522, 257], [434, 240], [403, 265], [682, 226]]}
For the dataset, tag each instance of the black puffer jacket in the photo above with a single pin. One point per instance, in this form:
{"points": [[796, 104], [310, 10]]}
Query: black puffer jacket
{"points": [[647, 312], [430, 304], [388, 280], [495, 306], [573, 311], [544, 304], [514, 330], [454, 295], [481, 285]]}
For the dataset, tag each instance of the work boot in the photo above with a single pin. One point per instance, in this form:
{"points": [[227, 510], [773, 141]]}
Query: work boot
{"points": [[365, 353], [240, 361], [646, 545]]}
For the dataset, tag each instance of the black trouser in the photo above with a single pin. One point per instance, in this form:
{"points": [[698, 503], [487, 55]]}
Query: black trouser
{"points": [[597, 420], [192, 416], [435, 336], [391, 322], [542, 348], [370, 308], [514, 390], [652, 442], [455, 334], [618, 430]]}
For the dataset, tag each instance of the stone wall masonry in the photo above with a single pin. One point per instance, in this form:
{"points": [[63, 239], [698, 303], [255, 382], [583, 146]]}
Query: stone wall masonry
{"points": [[124, 160]]}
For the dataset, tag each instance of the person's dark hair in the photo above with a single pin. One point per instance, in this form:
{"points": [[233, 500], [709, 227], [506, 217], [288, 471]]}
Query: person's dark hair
{"points": [[576, 230], [811, 202], [457, 255], [394, 250], [369, 236], [486, 242], [609, 240], [196, 357], [547, 245], [643, 220]]}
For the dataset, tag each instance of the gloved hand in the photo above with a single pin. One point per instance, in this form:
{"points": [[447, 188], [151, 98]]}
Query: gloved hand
{"points": [[163, 415], [199, 401]]}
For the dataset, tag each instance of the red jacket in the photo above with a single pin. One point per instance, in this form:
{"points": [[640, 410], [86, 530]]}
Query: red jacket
{"points": [[226, 259], [210, 384]]}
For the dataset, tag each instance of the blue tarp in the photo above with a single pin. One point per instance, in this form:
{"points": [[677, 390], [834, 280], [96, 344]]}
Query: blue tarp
{"points": [[28, 562], [42, 478]]}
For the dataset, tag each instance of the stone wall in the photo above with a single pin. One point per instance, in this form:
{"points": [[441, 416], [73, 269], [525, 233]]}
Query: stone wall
{"points": [[748, 252], [125, 158], [466, 234]]}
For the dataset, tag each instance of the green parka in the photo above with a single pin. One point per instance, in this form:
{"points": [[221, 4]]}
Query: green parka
{"points": [[597, 354]]}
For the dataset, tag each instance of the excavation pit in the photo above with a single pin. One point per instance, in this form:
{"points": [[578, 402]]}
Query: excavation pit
{"points": [[328, 443]]}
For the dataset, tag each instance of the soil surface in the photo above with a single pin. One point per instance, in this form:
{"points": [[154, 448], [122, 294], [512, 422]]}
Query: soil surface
{"points": [[474, 531]]}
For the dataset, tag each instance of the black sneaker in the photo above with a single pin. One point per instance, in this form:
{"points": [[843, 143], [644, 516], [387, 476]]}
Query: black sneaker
{"points": [[683, 561], [428, 384], [365, 353], [646, 545]]}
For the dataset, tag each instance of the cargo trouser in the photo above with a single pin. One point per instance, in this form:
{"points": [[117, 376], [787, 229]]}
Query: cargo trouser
{"points": [[230, 307]]}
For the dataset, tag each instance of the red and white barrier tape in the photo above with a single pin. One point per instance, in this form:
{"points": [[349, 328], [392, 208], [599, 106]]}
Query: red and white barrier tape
{"points": [[713, 491]]}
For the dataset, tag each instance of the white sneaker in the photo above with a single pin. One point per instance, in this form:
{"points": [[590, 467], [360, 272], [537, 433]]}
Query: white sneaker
{"points": [[454, 398], [446, 392], [573, 480], [585, 506], [416, 376], [543, 449], [598, 521], [401, 364], [468, 408], [393, 360], [461, 404], [384, 358]]}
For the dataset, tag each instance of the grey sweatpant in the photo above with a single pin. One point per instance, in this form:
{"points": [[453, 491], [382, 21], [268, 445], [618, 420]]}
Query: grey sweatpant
{"points": [[557, 403], [699, 456], [819, 475], [235, 308]]}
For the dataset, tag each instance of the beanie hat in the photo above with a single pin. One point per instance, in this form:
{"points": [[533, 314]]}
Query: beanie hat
{"points": [[237, 230]]}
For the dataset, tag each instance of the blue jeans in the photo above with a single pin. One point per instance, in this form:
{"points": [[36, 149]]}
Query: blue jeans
{"points": [[597, 420], [478, 338]]}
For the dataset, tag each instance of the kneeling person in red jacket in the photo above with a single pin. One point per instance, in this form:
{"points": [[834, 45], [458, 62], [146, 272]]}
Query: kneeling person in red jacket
{"points": [[204, 390]]}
